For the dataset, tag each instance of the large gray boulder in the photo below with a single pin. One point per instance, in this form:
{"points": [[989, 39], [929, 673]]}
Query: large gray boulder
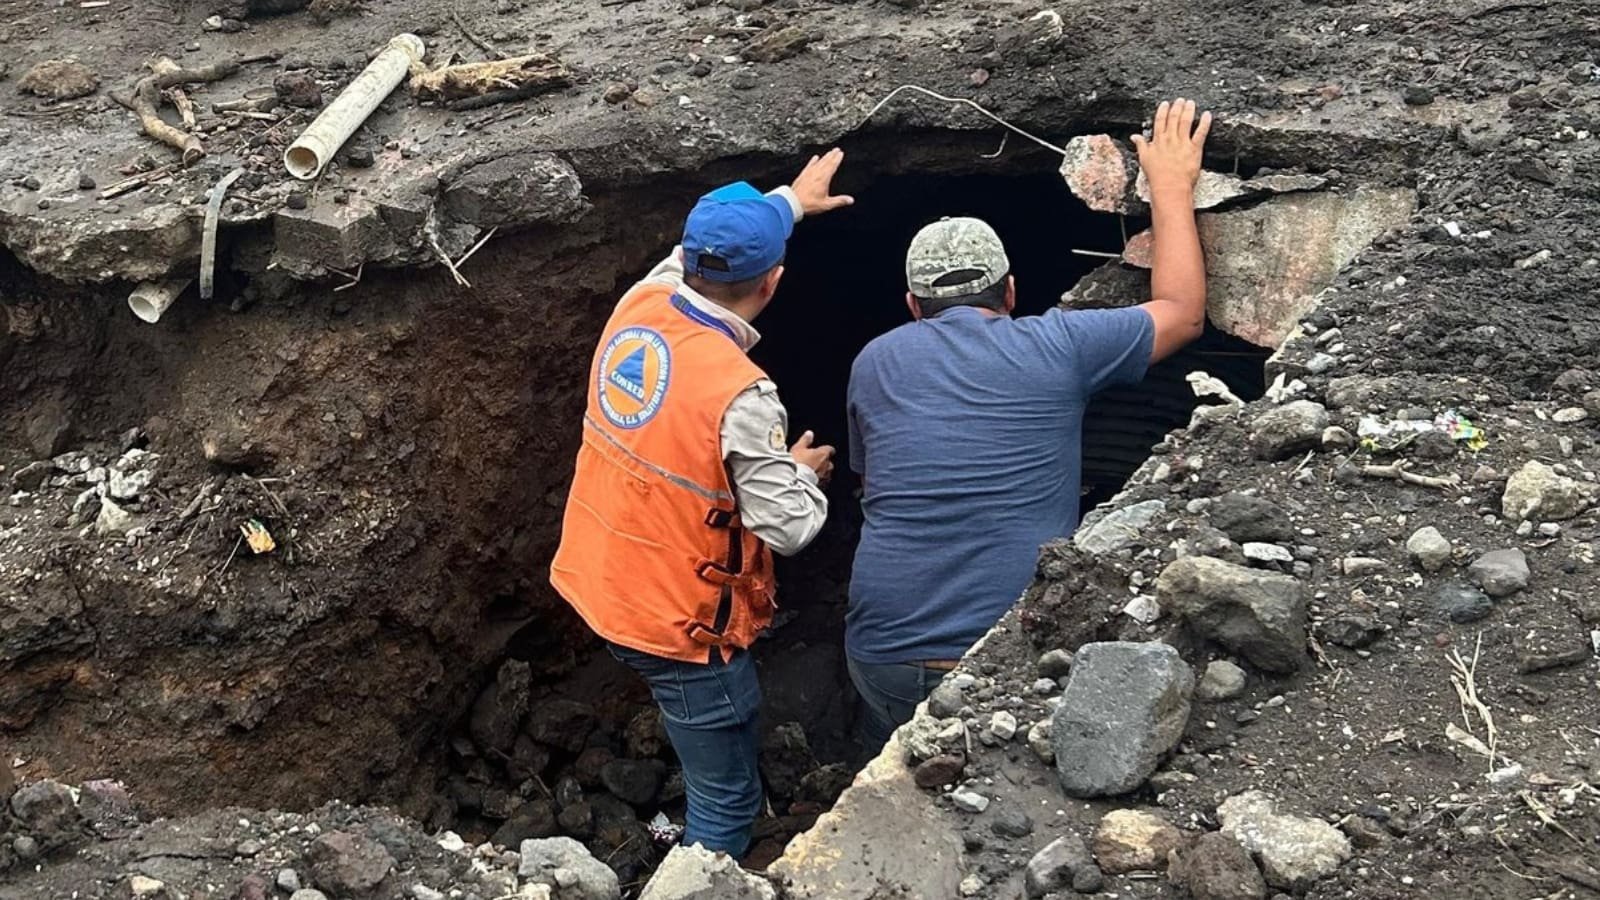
{"points": [[695, 873], [569, 870], [1259, 615], [1124, 709]]}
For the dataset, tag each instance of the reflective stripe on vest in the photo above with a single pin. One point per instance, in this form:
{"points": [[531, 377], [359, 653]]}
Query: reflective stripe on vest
{"points": [[652, 552]]}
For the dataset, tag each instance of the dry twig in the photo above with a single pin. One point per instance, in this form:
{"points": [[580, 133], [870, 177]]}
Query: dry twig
{"points": [[480, 43], [1549, 821], [448, 263], [1465, 682], [1402, 471]]}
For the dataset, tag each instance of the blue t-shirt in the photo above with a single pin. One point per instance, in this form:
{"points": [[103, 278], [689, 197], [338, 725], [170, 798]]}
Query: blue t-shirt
{"points": [[967, 429]]}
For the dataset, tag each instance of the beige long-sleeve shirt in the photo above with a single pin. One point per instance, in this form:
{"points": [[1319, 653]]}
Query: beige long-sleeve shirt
{"points": [[779, 499]]}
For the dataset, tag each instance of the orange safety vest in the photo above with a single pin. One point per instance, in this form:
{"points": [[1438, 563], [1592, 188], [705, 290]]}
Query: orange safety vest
{"points": [[652, 552]]}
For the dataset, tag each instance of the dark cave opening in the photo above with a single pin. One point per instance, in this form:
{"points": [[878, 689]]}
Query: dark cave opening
{"points": [[590, 761]]}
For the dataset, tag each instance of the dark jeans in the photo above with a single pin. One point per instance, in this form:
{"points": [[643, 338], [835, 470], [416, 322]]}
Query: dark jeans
{"points": [[710, 712], [890, 693]]}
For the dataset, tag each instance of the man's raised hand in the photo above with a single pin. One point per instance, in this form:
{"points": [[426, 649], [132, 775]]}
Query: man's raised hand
{"points": [[814, 185], [1170, 157]]}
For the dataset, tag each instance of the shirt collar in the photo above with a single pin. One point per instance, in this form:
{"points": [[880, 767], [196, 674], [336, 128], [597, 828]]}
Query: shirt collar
{"points": [[744, 334]]}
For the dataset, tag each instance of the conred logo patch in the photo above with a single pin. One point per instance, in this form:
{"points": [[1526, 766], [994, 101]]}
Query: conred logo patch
{"points": [[635, 369]]}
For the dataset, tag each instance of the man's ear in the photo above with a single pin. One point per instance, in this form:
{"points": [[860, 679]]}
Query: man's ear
{"points": [[1011, 293], [770, 286], [914, 306]]}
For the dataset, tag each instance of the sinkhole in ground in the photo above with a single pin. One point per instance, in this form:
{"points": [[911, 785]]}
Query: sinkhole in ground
{"points": [[590, 760]]}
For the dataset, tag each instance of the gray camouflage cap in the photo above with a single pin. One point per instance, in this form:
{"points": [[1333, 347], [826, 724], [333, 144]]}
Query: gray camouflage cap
{"points": [[950, 246]]}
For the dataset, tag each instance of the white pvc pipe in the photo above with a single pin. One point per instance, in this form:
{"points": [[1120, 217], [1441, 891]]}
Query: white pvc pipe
{"points": [[316, 145], [150, 299]]}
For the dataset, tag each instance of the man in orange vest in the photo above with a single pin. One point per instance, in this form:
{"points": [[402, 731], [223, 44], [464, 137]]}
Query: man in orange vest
{"points": [[686, 485]]}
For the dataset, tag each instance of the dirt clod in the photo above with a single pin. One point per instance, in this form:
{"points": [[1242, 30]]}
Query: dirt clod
{"points": [[59, 79]]}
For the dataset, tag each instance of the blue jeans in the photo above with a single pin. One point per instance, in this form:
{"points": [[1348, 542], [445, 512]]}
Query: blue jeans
{"points": [[889, 693], [710, 712]]}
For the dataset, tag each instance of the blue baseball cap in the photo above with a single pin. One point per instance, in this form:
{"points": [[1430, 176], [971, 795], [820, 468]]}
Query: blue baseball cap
{"points": [[736, 233]]}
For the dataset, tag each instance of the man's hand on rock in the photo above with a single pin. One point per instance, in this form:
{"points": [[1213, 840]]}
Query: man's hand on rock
{"points": [[814, 185], [1170, 157]]}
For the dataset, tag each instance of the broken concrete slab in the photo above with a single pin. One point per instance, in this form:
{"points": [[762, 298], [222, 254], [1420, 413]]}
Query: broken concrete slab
{"points": [[1266, 264], [695, 873], [1104, 173], [883, 838], [515, 190], [1101, 172], [325, 235], [147, 245]]}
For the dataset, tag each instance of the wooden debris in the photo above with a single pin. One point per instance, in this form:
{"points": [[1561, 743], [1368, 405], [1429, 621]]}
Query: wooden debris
{"points": [[145, 101], [133, 183], [502, 79]]}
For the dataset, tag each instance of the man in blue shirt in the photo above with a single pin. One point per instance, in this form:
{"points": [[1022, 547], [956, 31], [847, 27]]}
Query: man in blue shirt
{"points": [[966, 428]]}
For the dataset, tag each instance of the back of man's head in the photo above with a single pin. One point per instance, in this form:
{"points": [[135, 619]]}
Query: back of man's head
{"points": [[733, 240], [957, 262]]}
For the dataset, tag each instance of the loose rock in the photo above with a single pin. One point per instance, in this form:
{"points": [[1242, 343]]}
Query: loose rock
{"points": [[945, 701], [635, 780], [1535, 491], [1222, 681], [346, 863], [1256, 614], [1003, 725], [1055, 663], [1039, 741], [1134, 841], [59, 79], [1289, 429], [568, 869], [1500, 573], [1428, 549], [46, 807], [1217, 868], [1243, 518], [563, 724], [695, 873], [1011, 823], [1461, 604], [1054, 867], [1124, 708], [968, 800], [1295, 851], [1117, 530], [940, 770], [299, 89], [498, 712]]}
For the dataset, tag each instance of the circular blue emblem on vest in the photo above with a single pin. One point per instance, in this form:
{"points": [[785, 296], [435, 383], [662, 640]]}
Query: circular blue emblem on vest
{"points": [[635, 368]]}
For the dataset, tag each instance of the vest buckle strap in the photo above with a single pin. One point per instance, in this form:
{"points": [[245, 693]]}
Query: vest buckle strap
{"points": [[700, 634], [716, 573], [719, 518]]}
